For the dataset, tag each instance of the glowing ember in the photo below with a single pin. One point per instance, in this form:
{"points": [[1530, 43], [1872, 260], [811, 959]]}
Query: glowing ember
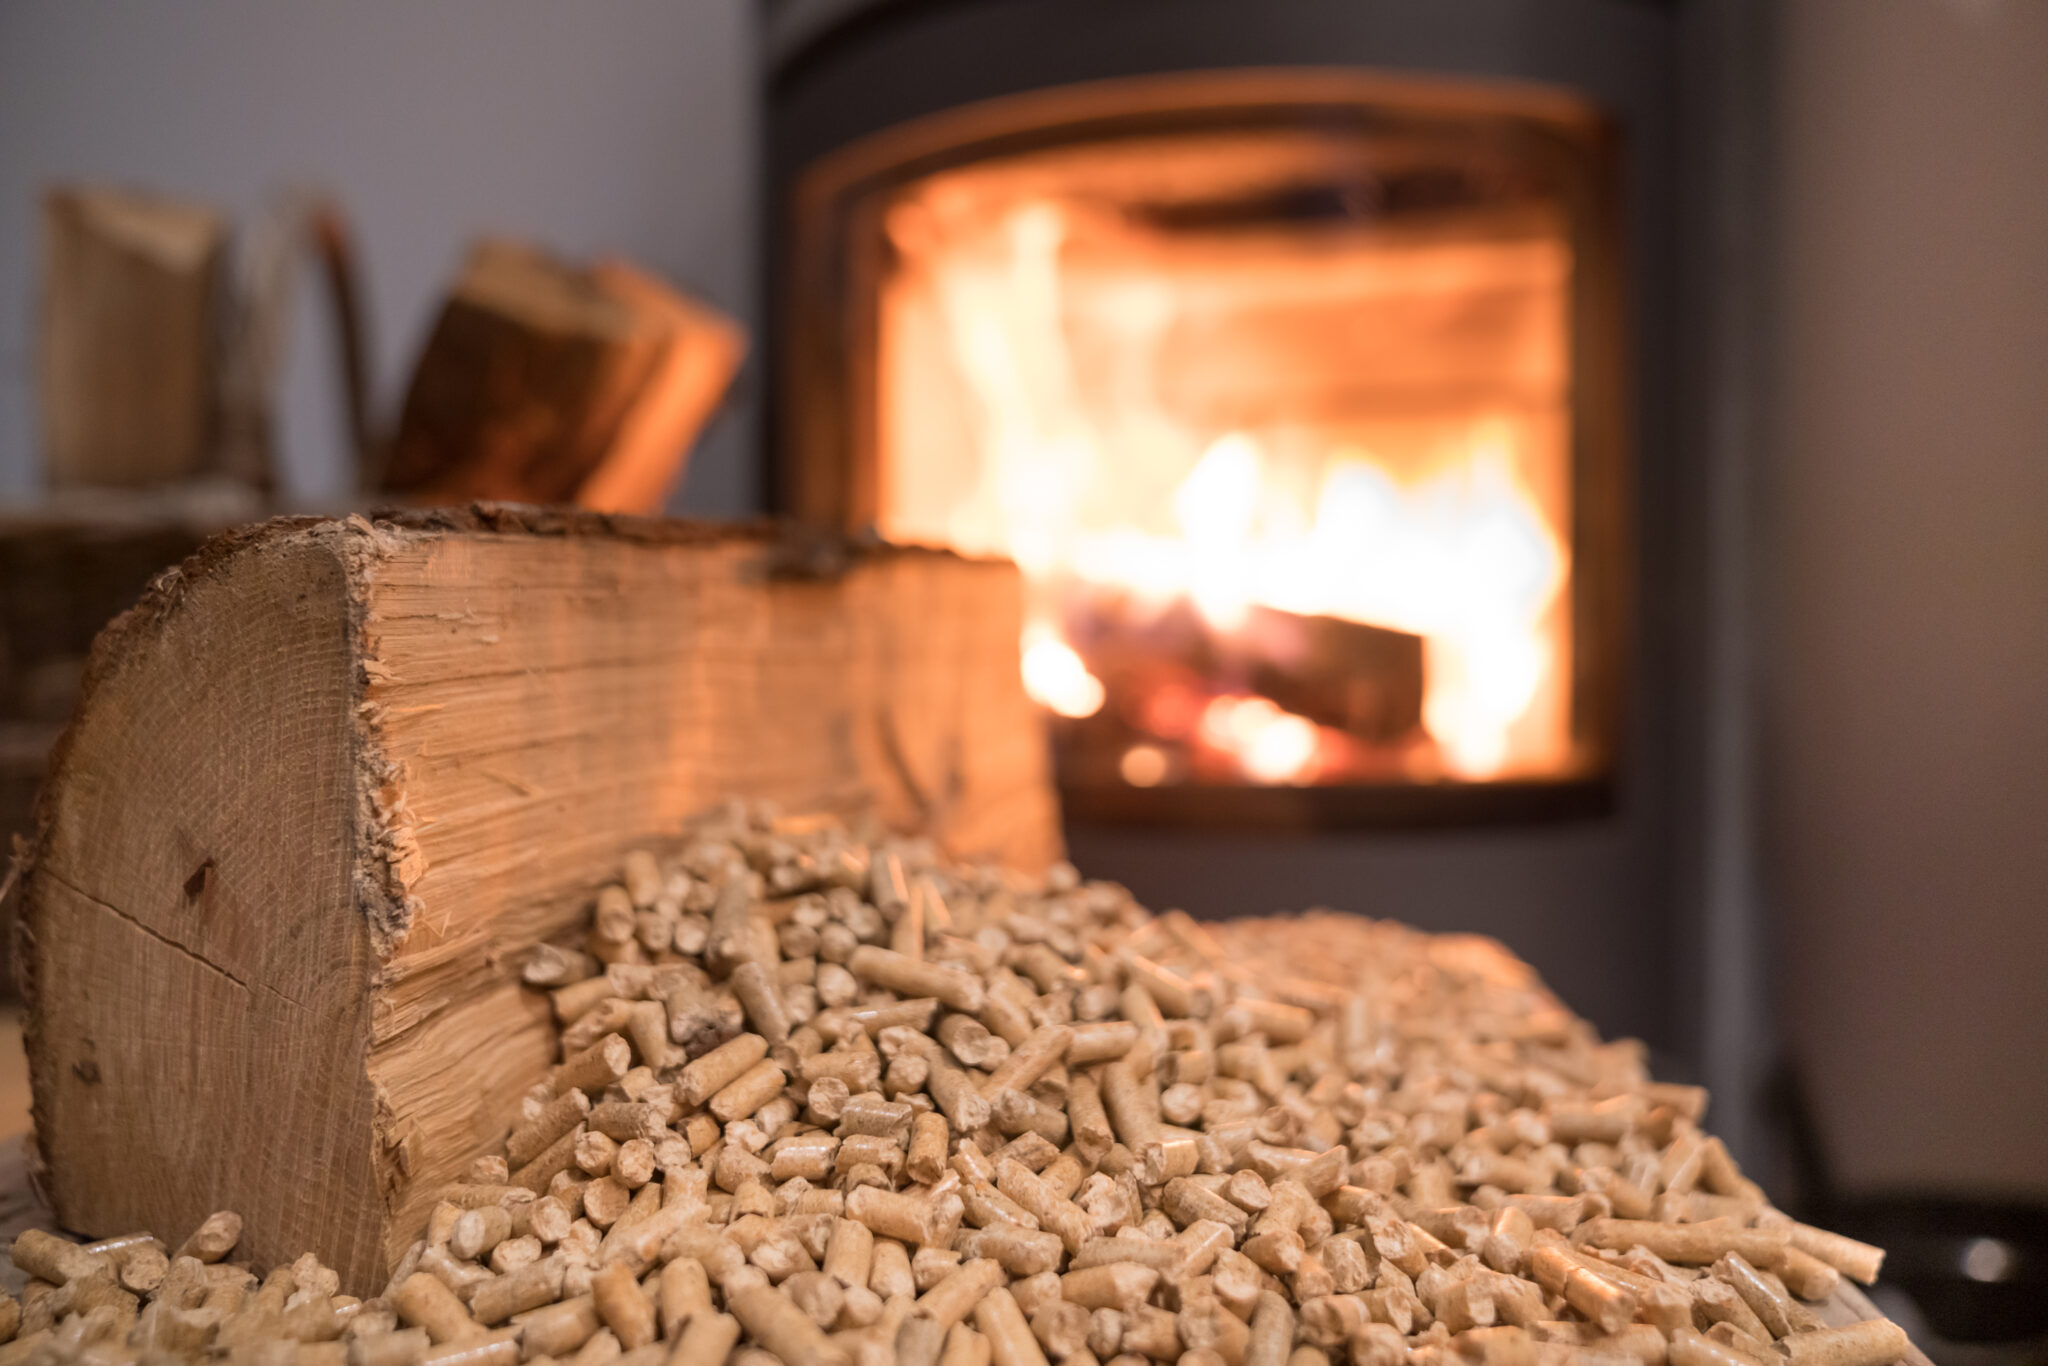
{"points": [[1056, 678], [1144, 766], [1273, 746], [1039, 361]]}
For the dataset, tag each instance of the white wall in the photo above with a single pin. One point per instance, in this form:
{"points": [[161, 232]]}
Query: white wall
{"points": [[1910, 723], [624, 125]]}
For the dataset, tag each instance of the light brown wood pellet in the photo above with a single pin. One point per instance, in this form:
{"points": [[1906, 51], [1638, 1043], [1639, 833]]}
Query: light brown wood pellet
{"points": [[833, 1103]]}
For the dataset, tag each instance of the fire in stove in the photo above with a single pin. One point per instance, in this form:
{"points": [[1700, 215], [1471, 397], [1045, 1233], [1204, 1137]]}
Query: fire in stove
{"points": [[1298, 414], [1462, 558], [1290, 502]]}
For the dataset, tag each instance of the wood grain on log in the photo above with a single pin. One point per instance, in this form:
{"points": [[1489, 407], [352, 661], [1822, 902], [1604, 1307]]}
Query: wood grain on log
{"points": [[68, 565], [330, 780]]}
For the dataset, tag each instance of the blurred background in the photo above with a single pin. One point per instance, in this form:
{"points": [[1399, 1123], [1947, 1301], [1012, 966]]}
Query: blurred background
{"points": [[1575, 470]]}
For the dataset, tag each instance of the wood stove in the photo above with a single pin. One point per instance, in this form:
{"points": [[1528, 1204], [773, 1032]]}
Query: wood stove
{"points": [[1318, 360], [1293, 392]]}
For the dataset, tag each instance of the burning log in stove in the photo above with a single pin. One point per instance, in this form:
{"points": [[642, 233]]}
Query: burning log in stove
{"points": [[1273, 696], [1335, 348]]}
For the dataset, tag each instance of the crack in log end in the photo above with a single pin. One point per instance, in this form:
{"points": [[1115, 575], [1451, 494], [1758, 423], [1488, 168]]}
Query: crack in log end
{"points": [[158, 935], [899, 763]]}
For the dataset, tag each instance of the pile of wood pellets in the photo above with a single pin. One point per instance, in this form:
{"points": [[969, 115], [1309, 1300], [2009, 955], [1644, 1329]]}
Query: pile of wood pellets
{"points": [[832, 1102]]}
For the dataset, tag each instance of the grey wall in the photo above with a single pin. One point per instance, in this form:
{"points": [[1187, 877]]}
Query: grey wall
{"points": [[617, 125], [1909, 743]]}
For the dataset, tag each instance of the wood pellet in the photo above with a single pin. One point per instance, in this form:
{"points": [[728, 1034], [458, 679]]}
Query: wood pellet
{"points": [[835, 1102]]}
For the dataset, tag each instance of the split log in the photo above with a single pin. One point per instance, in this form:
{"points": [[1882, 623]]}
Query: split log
{"points": [[330, 780], [700, 353], [130, 314], [545, 383]]}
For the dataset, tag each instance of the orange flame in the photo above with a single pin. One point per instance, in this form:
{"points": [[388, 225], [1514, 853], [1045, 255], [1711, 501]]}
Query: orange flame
{"points": [[1079, 469], [1056, 677]]}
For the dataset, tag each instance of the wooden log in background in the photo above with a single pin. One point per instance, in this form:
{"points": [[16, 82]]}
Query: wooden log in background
{"points": [[130, 313], [545, 383], [329, 781]]}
